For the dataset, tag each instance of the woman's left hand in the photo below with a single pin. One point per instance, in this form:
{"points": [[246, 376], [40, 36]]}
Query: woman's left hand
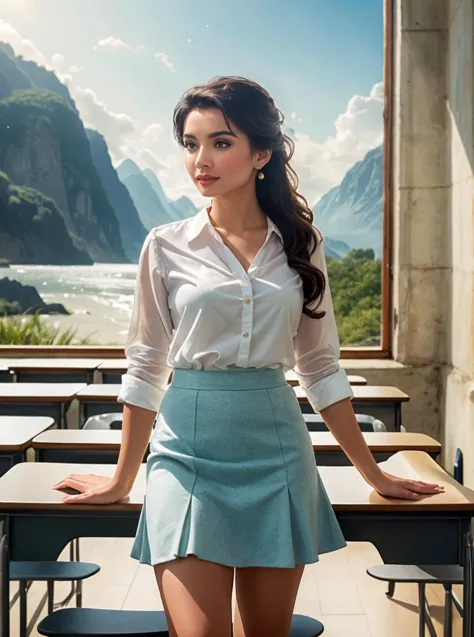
{"points": [[391, 486]]}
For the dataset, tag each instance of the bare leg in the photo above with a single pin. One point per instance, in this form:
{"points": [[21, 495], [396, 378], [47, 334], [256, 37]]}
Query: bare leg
{"points": [[265, 600], [197, 597]]}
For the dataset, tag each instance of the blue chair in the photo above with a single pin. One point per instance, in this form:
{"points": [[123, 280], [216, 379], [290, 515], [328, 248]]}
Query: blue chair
{"points": [[81, 622], [104, 421], [4, 588], [315, 422], [49, 572]]}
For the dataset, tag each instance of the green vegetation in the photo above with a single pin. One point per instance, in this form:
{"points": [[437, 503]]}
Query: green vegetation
{"points": [[356, 287], [32, 219], [31, 330], [35, 111]]}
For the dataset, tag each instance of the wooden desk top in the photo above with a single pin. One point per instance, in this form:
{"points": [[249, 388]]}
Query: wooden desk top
{"points": [[95, 439], [91, 439], [17, 432], [353, 379], [368, 394], [385, 442], [114, 365], [28, 486], [99, 391], [38, 392], [54, 364]]}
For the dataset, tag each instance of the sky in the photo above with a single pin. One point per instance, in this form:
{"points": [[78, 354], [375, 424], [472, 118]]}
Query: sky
{"points": [[127, 62]]}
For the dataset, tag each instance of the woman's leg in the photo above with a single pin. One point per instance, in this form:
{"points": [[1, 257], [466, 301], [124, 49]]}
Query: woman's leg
{"points": [[197, 597], [265, 600]]}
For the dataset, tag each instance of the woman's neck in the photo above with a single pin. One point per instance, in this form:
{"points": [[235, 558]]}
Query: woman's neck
{"points": [[237, 215]]}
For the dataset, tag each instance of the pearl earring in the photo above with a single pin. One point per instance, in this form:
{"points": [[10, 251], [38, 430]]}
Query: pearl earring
{"points": [[261, 175]]}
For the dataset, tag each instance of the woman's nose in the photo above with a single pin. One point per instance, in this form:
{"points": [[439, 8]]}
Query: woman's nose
{"points": [[203, 159]]}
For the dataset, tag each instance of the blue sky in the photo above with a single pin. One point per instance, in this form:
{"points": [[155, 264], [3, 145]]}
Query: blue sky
{"points": [[314, 56]]}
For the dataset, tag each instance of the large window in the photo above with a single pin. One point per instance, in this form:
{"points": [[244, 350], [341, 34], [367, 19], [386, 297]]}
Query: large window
{"points": [[88, 163]]}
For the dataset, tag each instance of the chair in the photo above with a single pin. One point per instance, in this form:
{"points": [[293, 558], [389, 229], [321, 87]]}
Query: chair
{"points": [[104, 421], [4, 589], [422, 575], [82, 622], [315, 422], [49, 572]]}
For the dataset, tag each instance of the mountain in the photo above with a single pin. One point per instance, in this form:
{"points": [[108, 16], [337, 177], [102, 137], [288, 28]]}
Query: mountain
{"points": [[150, 209], [184, 207], [132, 231], [32, 229], [335, 249], [160, 193], [38, 76], [127, 168], [352, 211], [44, 146], [12, 78]]}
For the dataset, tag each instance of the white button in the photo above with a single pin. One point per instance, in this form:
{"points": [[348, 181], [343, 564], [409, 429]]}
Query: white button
{"points": [[246, 334], [248, 300]]}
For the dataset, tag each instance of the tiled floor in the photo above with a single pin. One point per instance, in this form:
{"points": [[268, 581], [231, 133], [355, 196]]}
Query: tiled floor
{"points": [[336, 590]]}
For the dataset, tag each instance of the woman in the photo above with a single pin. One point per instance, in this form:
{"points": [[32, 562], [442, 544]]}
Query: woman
{"points": [[231, 299]]}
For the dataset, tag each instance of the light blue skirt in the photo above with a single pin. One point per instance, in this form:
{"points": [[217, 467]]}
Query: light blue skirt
{"points": [[231, 475]]}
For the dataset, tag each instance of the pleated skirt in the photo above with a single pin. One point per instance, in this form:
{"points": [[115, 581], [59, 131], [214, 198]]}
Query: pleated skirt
{"points": [[231, 475]]}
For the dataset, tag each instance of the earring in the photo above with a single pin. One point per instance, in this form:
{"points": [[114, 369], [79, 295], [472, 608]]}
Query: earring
{"points": [[261, 175]]}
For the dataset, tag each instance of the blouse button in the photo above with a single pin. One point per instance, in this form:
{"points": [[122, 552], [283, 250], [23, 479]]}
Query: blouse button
{"points": [[247, 300], [246, 334]]}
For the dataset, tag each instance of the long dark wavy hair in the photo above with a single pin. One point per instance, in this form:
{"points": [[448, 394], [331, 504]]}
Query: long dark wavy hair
{"points": [[254, 112]]}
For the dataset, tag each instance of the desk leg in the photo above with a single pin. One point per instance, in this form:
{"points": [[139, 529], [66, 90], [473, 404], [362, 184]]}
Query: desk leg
{"points": [[398, 416], [63, 416], [5, 580], [467, 586], [422, 610]]}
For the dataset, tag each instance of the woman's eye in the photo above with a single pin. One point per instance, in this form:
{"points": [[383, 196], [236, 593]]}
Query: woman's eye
{"points": [[192, 146]]}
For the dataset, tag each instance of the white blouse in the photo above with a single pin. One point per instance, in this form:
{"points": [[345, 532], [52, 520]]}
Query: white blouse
{"points": [[195, 307]]}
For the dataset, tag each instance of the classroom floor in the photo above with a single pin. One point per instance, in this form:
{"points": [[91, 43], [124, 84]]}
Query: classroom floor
{"points": [[336, 590]]}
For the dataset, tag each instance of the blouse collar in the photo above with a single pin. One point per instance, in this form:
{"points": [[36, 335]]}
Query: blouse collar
{"points": [[201, 220]]}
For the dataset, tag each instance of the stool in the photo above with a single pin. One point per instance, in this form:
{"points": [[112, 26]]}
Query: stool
{"points": [[50, 572], [423, 575], [92, 622], [315, 422], [104, 421]]}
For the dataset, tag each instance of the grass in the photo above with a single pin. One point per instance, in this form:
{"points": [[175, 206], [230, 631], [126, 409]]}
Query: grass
{"points": [[31, 330]]}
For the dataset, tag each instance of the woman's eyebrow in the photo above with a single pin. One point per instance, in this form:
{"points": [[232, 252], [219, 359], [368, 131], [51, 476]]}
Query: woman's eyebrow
{"points": [[218, 133]]}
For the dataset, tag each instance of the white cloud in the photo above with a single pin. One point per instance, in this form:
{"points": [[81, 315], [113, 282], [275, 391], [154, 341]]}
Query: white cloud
{"points": [[115, 127], [21, 45], [57, 60], [322, 165], [75, 69], [153, 133], [116, 44], [164, 59]]}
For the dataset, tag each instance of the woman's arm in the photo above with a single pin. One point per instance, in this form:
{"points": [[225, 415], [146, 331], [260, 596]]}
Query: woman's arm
{"points": [[143, 385], [327, 387], [95, 489]]}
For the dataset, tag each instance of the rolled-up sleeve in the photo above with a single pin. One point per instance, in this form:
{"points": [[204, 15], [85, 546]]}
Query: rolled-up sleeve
{"points": [[149, 336], [317, 350]]}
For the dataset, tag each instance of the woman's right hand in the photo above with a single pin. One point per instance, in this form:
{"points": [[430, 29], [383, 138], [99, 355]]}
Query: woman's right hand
{"points": [[93, 489]]}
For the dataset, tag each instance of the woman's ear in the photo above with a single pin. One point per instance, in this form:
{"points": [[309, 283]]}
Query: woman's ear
{"points": [[263, 157]]}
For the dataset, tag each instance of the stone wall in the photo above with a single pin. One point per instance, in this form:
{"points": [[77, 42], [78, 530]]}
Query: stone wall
{"points": [[457, 405], [433, 222]]}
